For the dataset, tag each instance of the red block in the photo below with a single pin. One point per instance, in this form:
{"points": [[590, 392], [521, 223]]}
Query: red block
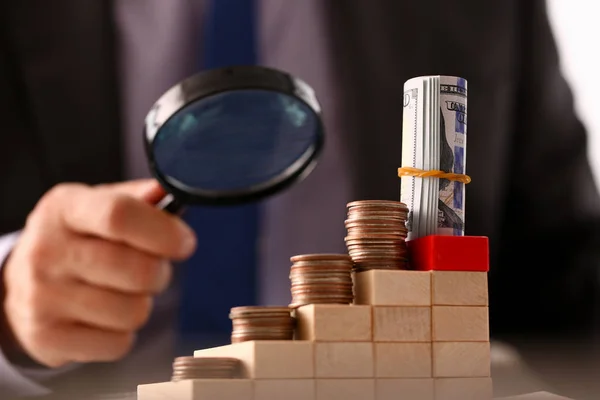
{"points": [[449, 253]]}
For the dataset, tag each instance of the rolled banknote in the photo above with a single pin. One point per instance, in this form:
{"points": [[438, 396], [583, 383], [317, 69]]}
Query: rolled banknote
{"points": [[434, 138]]}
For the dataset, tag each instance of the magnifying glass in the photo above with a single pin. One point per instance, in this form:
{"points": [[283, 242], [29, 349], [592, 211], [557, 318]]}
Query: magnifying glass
{"points": [[232, 135]]}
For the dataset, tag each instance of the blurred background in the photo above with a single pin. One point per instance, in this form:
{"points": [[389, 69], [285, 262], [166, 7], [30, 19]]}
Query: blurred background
{"points": [[577, 31]]}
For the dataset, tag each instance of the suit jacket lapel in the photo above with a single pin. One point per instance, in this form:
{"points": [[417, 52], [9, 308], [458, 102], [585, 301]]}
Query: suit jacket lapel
{"points": [[65, 51]]}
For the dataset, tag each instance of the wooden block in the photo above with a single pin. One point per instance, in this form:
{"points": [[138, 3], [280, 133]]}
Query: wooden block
{"points": [[344, 360], [460, 324], [461, 359], [403, 360], [462, 288], [392, 288], [463, 389], [334, 322], [400, 389], [288, 389], [449, 253], [346, 389], [198, 389], [401, 324], [266, 359]]}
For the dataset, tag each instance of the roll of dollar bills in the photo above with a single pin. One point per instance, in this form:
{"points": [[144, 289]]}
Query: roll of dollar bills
{"points": [[434, 138]]}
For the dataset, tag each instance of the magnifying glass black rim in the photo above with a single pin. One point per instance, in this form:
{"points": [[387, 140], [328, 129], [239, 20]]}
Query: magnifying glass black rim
{"points": [[212, 82]]}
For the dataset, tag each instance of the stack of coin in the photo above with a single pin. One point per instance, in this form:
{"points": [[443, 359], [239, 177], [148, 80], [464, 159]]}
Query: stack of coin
{"points": [[377, 234], [261, 323], [189, 367], [321, 278]]}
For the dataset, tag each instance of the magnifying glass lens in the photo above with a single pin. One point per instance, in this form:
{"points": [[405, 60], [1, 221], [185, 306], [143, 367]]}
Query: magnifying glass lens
{"points": [[235, 141]]}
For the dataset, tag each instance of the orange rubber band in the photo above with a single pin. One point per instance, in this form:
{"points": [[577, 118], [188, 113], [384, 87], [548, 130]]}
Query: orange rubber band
{"points": [[409, 171]]}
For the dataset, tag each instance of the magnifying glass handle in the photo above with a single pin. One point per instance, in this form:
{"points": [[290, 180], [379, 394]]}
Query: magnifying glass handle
{"points": [[170, 205]]}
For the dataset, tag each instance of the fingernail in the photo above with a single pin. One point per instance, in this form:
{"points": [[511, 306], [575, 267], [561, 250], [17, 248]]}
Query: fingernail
{"points": [[188, 239]]}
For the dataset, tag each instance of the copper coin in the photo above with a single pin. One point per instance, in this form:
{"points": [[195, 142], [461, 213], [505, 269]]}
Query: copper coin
{"points": [[372, 237], [322, 269], [260, 309], [317, 257], [391, 203]]}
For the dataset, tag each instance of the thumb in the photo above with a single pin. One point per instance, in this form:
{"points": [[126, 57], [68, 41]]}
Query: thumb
{"points": [[148, 190]]}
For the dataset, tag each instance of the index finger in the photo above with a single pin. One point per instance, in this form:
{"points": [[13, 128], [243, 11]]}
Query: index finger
{"points": [[148, 190], [112, 214]]}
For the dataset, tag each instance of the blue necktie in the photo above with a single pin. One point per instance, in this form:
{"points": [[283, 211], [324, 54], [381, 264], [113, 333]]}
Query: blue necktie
{"points": [[221, 274]]}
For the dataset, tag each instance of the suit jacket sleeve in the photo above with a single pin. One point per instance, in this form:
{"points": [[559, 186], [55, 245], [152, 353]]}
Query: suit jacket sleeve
{"points": [[544, 292]]}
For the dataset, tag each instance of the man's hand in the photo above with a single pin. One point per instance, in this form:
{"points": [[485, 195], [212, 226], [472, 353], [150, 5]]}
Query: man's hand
{"points": [[80, 281]]}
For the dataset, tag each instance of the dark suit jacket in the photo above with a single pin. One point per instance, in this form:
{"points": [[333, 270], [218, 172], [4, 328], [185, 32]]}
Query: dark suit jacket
{"points": [[532, 190]]}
